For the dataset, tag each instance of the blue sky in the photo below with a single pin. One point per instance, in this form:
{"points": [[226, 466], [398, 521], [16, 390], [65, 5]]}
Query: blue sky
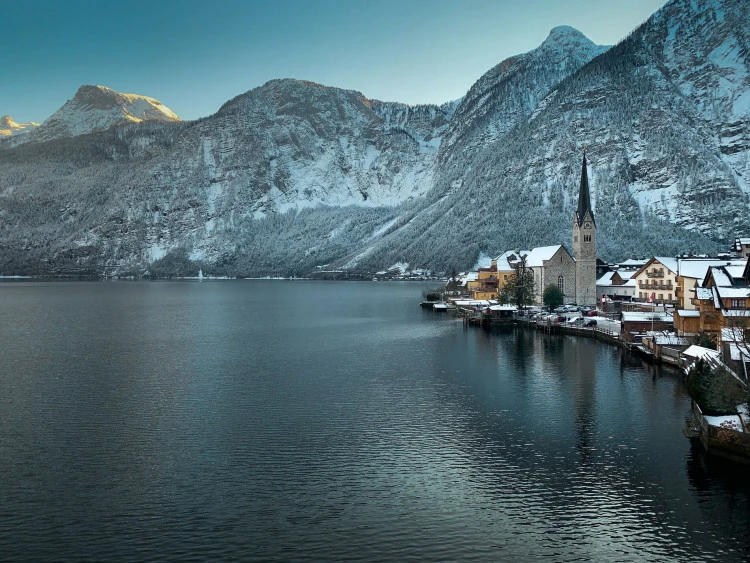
{"points": [[195, 55]]}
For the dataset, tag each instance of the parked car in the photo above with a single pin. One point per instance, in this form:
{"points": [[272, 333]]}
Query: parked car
{"points": [[593, 313], [590, 322]]}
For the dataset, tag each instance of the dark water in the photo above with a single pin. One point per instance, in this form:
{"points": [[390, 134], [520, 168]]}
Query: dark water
{"points": [[336, 421]]}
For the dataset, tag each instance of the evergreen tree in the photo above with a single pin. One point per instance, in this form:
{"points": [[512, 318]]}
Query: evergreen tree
{"points": [[552, 296], [519, 288]]}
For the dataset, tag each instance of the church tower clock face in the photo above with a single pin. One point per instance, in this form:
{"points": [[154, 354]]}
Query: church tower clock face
{"points": [[587, 225]]}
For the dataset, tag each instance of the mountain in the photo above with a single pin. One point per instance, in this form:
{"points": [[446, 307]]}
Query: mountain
{"points": [[294, 177], [510, 91], [96, 108], [662, 176], [8, 127]]}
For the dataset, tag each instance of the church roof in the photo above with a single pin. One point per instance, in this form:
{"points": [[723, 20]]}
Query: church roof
{"points": [[539, 255], [584, 198]]}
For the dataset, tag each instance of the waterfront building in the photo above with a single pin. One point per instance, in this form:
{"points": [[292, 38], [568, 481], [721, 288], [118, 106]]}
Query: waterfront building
{"points": [[656, 281], [691, 273]]}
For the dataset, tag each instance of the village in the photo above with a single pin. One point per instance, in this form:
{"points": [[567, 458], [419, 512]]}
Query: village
{"points": [[690, 312]]}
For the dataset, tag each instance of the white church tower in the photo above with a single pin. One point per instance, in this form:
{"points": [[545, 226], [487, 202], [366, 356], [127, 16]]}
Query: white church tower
{"points": [[584, 243]]}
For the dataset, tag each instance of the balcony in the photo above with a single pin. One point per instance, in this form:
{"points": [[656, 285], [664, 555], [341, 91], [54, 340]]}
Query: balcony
{"points": [[655, 286], [655, 274]]}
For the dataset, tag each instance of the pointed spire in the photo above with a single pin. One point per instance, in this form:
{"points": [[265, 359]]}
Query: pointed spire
{"points": [[584, 200]]}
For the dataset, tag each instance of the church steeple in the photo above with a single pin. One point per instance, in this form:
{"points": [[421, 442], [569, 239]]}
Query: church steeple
{"points": [[584, 199], [584, 242]]}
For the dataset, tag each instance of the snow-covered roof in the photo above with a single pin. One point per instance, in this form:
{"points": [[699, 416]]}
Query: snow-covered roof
{"points": [[539, 255], [627, 274], [472, 276], [633, 263], [503, 308], [471, 302], [700, 352], [720, 276], [704, 293], [697, 268], [688, 313], [736, 270], [606, 279], [668, 262], [670, 339], [733, 292], [639, 316]]}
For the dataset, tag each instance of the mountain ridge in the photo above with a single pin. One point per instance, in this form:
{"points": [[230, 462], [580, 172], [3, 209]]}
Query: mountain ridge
{"points": [[293, 177]]}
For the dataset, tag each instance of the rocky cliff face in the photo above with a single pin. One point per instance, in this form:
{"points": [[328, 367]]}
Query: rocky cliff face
{"points": [[294, 177]]}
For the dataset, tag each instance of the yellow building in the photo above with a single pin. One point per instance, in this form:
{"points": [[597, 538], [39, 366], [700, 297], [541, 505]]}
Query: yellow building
{"points": [[490, 281]]}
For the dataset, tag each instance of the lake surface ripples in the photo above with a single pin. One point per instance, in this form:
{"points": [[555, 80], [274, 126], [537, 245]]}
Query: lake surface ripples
{"points": [[309, 421]]}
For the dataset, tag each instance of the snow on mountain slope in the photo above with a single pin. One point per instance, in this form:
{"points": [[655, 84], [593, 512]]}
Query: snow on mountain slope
{"points": [[95, 108], [510, 91], [294, 177], [705, 52], [8, 127]]}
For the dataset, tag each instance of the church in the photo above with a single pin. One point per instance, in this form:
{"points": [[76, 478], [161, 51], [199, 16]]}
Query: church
{"points": [[584, 243], [574, 276]]}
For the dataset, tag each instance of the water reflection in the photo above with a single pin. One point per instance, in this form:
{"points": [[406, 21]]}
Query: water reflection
{"points": [[213, 421]]}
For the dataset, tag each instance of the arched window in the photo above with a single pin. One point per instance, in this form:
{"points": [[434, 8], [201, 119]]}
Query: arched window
{"points": [[561, 284]]}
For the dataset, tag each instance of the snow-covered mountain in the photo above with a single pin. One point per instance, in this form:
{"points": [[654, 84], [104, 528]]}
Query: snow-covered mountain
{"points": [[95, 108], [510, 91], [8, 127], [294, 177]]}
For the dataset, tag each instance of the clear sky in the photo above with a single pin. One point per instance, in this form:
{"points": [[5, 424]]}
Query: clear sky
{"points": [[195, 55]]}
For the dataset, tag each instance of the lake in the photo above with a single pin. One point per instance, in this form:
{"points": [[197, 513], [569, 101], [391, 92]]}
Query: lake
{"points": [[319, 421]]}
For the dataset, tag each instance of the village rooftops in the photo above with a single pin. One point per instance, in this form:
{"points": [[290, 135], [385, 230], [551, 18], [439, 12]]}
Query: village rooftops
{"points": [[697, 268]]}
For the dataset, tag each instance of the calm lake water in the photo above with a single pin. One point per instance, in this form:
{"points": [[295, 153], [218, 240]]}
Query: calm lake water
{"points": [[320, 421]]}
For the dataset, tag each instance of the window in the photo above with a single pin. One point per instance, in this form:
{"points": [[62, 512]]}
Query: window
{"points": [[575, 238], [737, 304], [561, 284], [669, 296]]}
